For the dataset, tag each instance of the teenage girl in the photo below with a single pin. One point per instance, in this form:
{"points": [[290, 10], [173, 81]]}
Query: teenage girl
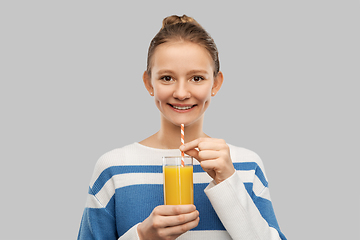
{"points": [[231, 195]]}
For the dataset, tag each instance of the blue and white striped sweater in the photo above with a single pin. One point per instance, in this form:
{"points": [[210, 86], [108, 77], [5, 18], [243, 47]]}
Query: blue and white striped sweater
{"points": [[127, 185]]}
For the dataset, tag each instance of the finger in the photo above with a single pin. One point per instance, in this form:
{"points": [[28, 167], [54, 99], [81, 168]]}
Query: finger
{"points": [[204, 143], [180, 229], [171, 210], [212, 145], [209, 165], [190, 145], [208, 155], [180, 219]]}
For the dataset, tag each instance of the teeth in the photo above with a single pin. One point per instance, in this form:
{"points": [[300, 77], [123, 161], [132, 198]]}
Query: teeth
{"points": [[182, 108]]}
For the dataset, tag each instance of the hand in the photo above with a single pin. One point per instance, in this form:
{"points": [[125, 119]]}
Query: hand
{"points": [[213, 155], [168, 222]]}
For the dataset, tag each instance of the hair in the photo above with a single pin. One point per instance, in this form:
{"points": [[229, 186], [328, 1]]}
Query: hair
{"points": [[184, 28]]}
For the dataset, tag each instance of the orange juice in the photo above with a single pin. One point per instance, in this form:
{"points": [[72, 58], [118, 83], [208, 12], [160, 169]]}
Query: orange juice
{"points": [[178, 185]]}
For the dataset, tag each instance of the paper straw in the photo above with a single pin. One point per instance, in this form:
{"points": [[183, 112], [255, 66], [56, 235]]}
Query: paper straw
{"points": [[182, 143]]}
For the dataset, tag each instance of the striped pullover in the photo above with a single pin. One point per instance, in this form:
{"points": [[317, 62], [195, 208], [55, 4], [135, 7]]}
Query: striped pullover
{"points": [[127, 184]]}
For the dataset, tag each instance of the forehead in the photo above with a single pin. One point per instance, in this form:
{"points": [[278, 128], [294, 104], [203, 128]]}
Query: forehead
{"points": [[181, 56]]}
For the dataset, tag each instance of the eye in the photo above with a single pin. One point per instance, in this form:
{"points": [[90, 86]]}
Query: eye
{"points": [[197, 79], [166, 78]]}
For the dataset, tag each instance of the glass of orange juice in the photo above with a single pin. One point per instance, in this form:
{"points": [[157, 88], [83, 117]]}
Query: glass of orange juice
{"points": [[178, 180]]}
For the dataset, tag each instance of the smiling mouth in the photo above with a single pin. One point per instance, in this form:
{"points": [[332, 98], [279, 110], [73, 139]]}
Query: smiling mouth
{"points": [[178, 107]]}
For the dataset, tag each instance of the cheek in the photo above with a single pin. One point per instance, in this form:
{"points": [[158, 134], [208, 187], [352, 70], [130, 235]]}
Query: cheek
{"points": [[162, 94], [203, 95]]}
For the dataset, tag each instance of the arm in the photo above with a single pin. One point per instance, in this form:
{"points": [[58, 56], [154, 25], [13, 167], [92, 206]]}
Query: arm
{"points": [[242, 216]]}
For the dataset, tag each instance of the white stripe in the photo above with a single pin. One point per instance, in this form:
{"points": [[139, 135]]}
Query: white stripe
{"points": [[260, 189], [209, 235], [201, 177], [258, 186], [92, 202], [246, 175], [123, 180], [274, 233], [133, 154]]}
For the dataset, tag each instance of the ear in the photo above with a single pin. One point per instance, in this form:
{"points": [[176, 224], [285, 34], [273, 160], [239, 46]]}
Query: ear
{"points": [[147, 83], [218, 80]]}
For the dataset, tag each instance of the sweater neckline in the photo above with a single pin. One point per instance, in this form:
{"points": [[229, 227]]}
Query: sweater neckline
{"points": [[155, 149]]}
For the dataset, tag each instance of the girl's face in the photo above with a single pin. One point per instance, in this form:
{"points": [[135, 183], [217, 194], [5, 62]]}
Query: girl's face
{"points": [[182, 81]]}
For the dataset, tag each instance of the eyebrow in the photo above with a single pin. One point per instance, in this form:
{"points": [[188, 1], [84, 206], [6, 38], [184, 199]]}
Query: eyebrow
{"points": [[161, 72], [166, 71], [197, 71]]}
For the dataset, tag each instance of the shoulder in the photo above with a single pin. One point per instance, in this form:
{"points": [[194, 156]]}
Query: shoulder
{"points": [[246, 160], [240, 154], [115, 157]]}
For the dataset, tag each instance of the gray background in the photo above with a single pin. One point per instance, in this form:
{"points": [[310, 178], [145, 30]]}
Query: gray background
{"points": [[71, 90]]}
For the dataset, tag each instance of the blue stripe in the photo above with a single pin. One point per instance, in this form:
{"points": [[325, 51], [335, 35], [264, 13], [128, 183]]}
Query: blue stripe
{"points": [[209, 220], [115, 170], [267, 212], [134, 204], [96, 223], [138, 201], [252, 166]]}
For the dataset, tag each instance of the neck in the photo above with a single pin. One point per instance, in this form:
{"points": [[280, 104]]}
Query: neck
{"points": [[168, 137]]}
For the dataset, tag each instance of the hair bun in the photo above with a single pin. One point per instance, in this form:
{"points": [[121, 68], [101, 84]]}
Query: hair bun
{"points": [[174, 19]]}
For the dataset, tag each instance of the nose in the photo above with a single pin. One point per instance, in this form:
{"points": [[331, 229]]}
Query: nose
{"points": [[181, 91]]}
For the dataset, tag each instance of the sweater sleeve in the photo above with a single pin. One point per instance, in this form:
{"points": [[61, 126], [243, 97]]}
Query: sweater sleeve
{"points": [[131, 234], [242, 216], [97, 222]]}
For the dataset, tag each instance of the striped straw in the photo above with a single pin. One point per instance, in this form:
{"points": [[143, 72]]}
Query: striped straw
{"points": [[182, 143]]}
